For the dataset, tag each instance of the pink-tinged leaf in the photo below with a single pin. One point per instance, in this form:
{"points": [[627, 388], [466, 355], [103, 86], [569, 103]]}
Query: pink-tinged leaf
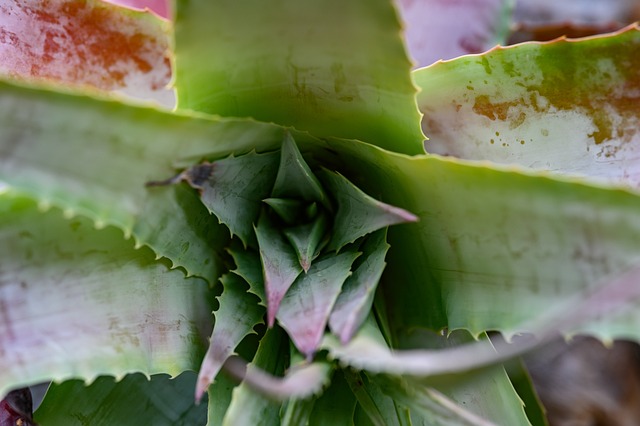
{"points": [[575, 11], [358, 214], [355, 300], [568, 106], [239, 312], [89, 43], [301, 381], [307, 305], [369, 351], [444, 29], [280, 264]]}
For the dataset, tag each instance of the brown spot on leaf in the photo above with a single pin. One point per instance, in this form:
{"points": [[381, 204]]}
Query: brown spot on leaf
{"points": [[82, 42]]}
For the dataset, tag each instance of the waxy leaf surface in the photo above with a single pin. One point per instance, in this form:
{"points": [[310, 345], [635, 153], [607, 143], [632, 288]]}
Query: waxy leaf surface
{"points": [[305, 308], [568, 106], [356, 298], [89, 301], [160, 401], [358, 214], [89, 43], [238, 314], [280, 265], [328, 67], [235, 189]]}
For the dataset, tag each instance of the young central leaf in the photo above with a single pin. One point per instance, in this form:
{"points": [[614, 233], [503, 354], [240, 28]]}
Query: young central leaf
{"points": [[295, 179], [306, 306], [280, 265]]}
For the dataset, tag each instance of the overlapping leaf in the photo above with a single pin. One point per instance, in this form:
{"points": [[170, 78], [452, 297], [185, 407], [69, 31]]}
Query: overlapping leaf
{"points": [[87, 43], [238, 314], [569, 106], [329, 67], [160, 401], [60, 283]]}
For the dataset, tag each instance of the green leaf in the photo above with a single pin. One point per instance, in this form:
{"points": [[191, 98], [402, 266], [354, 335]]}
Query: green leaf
{"points": [[295, 179], [379, 409], [249, 407], [287, 209], [429, 405], [358, 214], [238, 314], [280, 265], [89, 301], [65, 151], [131, 401], [219, 394], [308, 239], [248, 267], [336, 406], [307, 305], [327, 67], [356, 298], [234, 188], [487, 237], [565, 106]]}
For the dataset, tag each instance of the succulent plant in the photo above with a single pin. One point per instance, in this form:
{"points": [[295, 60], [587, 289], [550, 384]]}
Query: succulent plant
{"points": [[295, 144]]}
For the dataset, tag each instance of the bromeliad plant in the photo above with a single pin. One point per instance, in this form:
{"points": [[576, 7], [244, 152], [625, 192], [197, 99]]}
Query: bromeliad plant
{"points": [[277, 218]]}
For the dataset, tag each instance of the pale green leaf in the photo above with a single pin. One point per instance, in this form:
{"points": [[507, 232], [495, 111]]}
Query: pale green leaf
{"points": [[431, 407], [134, 400], [356, 298], [93, 157], [487, 237], [238, 314], [306, 307], [568, 106], [89, 301], [280, 265], [328, 67], [301, 381], [358, 214]]}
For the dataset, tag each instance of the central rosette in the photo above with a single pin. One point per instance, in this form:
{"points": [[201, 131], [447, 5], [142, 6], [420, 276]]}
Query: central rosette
{"points": [[309, 244]]}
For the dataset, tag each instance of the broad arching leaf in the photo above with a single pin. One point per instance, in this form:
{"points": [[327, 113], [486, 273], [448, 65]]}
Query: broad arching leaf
{"points": [[567, 106], [328, 67], [90, 302]]}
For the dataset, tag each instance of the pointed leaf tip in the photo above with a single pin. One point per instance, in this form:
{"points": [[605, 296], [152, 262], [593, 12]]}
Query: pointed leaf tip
{"points": [[238, 314], [359, 214], [295, 179], [306, 307], [280, 264], [356, 298]]}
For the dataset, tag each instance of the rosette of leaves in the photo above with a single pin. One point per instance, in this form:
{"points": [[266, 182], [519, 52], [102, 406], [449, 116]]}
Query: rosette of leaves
{"points": [[309, 244]]}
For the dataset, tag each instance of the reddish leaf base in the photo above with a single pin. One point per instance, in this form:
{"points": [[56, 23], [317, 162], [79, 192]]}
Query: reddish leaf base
{"points": [[16, 409]]}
